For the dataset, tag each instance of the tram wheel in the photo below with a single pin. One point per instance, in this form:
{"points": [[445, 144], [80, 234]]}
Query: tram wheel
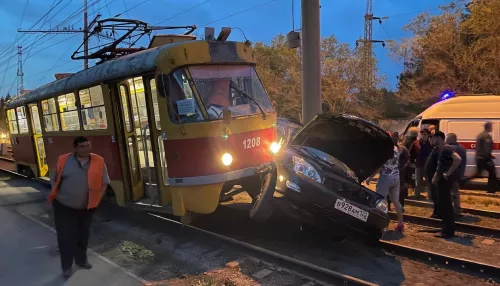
{"points": [[262, 207]]}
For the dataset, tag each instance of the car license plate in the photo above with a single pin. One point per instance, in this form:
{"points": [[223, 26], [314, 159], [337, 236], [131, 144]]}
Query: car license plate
{"points": [[351, 210]]}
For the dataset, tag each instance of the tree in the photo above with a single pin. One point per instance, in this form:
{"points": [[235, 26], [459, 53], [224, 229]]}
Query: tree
{"points": [[3, 117], [280, 72], [458, 50]]}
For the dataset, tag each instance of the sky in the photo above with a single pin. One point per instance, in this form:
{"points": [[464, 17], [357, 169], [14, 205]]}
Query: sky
{"points": [[260, 20]]}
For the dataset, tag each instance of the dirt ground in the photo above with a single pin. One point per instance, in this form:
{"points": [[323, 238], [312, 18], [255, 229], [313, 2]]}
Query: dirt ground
{"points": [[474, 200], [475, 248]]}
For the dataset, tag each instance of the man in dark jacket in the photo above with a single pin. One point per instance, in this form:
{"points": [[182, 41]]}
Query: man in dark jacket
{"points": [[430, 169], [451, 140], [484, 157], [419, 151], [444, 178]]}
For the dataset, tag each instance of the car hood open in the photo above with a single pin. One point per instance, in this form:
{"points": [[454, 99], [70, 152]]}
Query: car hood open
{"points": [[358, 143]]}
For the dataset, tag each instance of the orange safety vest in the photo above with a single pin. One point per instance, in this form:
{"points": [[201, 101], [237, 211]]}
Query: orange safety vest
{"points": [[94, 176]]}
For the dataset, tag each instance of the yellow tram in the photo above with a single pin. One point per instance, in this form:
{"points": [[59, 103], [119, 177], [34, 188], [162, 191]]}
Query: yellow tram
{"points": [[178, 124]]}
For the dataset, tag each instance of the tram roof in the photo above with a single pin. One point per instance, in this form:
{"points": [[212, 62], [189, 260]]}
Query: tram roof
{"points": [[124, 66]]}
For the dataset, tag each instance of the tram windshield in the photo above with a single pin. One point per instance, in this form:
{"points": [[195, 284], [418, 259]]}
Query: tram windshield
{"points": [[235, 87]]}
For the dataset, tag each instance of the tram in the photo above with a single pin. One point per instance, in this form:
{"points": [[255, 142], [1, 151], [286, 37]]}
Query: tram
{"points": [[178, 124]]}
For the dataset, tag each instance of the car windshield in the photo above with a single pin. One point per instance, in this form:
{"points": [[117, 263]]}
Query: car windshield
{"points": [[235, 87], [286, 130], [332, 161]]}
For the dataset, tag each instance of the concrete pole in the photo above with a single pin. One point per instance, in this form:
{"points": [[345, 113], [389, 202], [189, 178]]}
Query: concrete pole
{"points": [[311, 77], [85, 35]]}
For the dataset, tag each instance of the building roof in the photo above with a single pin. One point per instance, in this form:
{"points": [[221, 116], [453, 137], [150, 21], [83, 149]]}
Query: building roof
{"points": [[468, 106]]}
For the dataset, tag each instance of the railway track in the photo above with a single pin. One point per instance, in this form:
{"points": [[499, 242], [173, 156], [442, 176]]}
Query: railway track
{"points": [[460, 226], [478, 212], [330, 276]]}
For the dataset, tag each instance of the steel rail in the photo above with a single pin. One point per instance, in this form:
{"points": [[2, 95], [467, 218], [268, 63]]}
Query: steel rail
{"points": [[460, 264], [460, 226], [485, 213]]}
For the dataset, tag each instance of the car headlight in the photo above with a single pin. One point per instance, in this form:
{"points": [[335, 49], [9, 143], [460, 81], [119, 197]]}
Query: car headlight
{"points": [[382, 205], [300, 166]]}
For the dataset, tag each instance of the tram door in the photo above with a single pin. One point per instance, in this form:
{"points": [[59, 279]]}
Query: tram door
{"points": [[43, 168], [138, 140]]}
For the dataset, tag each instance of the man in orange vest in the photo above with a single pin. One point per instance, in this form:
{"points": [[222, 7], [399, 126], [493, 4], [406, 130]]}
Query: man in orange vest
{"points": [[78, 185]]}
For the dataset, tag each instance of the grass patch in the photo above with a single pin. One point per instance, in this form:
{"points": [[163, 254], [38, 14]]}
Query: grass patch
{"points": [[137, 252]]}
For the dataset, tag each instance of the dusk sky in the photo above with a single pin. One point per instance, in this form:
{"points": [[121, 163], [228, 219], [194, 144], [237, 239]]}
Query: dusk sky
{"points": [[260, 20]]}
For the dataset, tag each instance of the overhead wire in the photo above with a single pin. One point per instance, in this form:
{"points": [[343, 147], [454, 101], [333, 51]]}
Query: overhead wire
{"points": [[182, 12], [37, 41], [240, 12], [24, 12], [73, 15], [39, 20]]}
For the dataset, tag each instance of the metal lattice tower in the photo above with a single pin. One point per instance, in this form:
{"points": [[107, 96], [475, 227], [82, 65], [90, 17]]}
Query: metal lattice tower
{"points": [[367, 48], [20, 73]]}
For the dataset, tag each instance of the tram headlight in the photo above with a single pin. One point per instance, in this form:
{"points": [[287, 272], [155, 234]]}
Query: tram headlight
{"points": [[227, 159], [275, 147]]}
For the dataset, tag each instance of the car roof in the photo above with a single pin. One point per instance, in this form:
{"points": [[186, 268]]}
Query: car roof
{"points": [[471, 106]]}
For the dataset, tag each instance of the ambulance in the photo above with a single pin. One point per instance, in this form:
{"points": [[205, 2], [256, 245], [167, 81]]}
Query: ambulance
{"points": [[465, 116]]}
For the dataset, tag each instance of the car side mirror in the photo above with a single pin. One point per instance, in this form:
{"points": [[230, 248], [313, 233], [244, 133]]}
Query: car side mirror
{"points": [[226, 116]]}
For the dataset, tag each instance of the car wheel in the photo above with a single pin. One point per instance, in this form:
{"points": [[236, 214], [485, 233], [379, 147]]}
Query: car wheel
{"points": [[262, 207]]}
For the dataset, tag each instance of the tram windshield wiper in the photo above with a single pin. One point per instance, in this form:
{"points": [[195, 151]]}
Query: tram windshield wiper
{"points": [[233, 86]]}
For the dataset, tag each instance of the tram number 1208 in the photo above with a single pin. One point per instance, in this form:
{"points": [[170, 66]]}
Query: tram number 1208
{"points": [[251, 143]]}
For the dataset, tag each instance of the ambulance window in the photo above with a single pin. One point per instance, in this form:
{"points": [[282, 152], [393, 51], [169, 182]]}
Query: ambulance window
{"points": [[430, 122], [413, 123]]}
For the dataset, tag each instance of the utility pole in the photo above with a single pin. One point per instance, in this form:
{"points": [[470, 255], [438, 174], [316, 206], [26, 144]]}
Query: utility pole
{"points": [[367, 48], [85, 35], [310, 60], [20, 73]]}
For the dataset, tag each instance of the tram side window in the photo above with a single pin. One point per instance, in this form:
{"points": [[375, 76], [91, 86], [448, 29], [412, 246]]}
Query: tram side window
{"points": [[11, 118], [21, 120], [156, 109], [49, 111], [92, 108], [69, 112]]}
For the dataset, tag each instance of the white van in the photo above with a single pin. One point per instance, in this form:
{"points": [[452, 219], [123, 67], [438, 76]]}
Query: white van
{"points": [[465, 116]]}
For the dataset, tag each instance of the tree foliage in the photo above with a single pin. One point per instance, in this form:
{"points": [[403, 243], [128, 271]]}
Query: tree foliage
{"points": [[458, 50], [280, 71]]}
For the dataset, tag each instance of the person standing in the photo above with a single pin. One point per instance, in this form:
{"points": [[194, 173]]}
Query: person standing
{"points": [[444, 178], [451, 139], [403, 163], [419, 152], [432, 129], [430, 169], [484, 157], [388, 184], [78, 185]]}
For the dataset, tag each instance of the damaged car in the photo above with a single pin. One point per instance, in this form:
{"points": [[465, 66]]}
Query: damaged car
{"points": [[320, 171]]}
